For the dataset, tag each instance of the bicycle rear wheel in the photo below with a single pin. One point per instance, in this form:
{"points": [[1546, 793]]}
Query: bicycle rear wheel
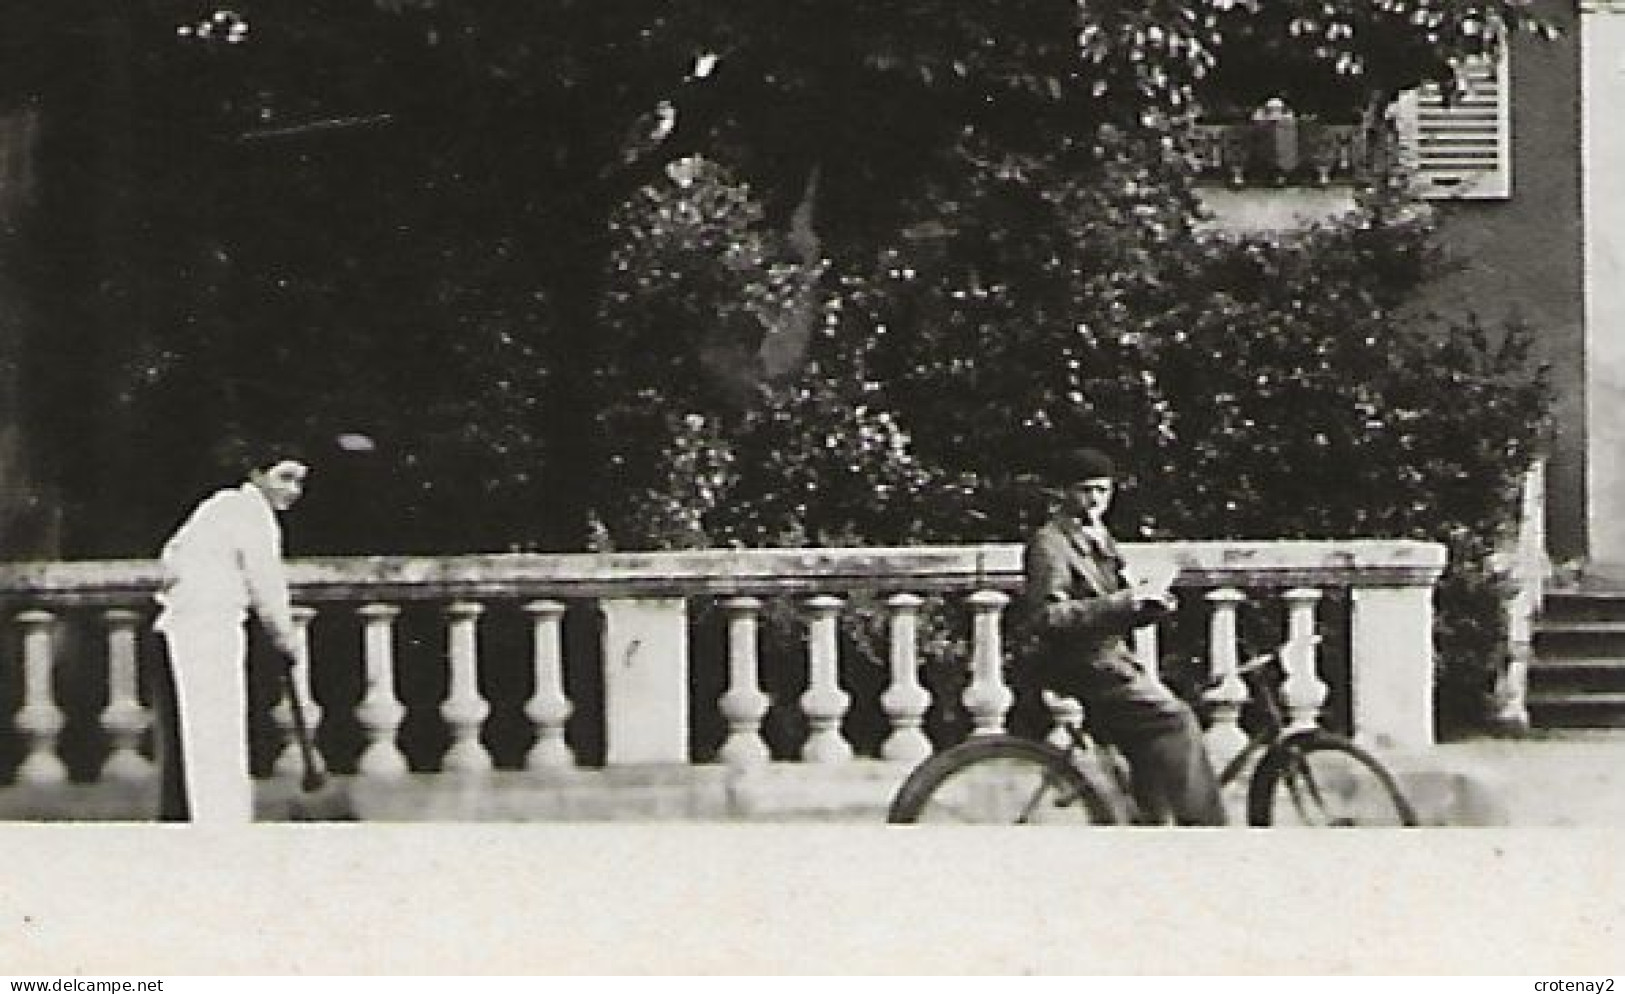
{"points": [[1319, 779], [1001, 780]]}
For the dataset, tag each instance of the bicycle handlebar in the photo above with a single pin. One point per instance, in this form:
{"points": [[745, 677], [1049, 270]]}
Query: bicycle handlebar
{"points": [[1263, 659]]}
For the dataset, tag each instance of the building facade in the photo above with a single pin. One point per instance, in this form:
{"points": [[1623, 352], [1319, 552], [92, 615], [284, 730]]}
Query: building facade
{"points": [[1602, 145], [1526, 174]]}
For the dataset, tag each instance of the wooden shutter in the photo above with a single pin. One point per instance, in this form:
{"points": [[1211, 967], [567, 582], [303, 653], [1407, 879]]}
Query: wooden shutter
{"points": [[1461, 150]]}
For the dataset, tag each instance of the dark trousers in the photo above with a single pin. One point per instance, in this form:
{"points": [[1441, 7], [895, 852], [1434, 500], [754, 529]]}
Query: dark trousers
{"points": [[1159, 735], [166, 738]]}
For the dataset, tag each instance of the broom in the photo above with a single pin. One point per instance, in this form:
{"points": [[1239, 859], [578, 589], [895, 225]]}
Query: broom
{"points": [[320, 798]]}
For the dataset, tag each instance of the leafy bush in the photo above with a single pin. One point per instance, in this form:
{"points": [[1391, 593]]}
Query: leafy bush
{"points": [[1252, 387]]}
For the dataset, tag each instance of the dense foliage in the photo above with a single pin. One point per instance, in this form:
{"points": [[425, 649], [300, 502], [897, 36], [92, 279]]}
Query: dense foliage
{"points": [[1253, 387], [684, 272]]}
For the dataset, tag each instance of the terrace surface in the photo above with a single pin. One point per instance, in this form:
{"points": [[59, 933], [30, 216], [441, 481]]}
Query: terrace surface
{"points": [[1568, 778]]}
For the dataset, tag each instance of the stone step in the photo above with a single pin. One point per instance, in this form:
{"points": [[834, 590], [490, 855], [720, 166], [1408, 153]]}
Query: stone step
{"points": [[1577, 678], [1575, 691], [1582, 605], [1551, 720], [1580, 626], [1557, 663], [1569, 655], [1578, 699], [1572, 708]]}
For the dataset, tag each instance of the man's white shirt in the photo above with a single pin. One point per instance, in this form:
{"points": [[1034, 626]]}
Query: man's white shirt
{"points": [[225, 560]]}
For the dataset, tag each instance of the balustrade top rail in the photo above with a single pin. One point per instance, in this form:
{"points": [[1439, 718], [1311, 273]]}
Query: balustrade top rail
{"points": [[922, 569]]}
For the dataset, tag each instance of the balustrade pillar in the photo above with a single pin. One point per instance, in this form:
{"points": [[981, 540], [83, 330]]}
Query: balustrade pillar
{"points": [[1391, 665], [39, 719], [549, 707], [288, 761], [645, 680], [1511, 695], [743, 705], [1227, 693], [464, 710], [380, 711], [905, 701], [988, 697], [824, 702], [124, 717], [1303, 692]]}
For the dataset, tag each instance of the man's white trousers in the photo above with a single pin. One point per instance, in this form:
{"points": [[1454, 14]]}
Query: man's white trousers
{"points": [[211, 697]]}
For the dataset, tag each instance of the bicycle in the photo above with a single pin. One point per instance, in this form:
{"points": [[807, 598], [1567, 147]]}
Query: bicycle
{"points": [[1309, 775]]}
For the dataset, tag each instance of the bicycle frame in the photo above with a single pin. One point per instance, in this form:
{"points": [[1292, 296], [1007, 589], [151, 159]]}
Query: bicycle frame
{"points": [[1296, 774], [1274, 728], [1116, 765]]}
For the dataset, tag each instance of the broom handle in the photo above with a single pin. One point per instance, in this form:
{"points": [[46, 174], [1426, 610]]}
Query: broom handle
{"points": [[315, 775]]}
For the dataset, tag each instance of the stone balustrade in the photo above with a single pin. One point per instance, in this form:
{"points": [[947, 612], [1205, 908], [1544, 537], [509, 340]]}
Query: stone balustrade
{"points": [[1280, 153], [493, 643]]}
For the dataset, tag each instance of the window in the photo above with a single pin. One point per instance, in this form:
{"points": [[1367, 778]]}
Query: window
{"points": [[1457, 149], [1460, 150]]}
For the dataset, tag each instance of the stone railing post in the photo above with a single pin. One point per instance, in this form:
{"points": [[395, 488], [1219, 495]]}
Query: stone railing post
{"points": [[1511, 694], [824, 702], [1524, 569], [1391, 669], [743, 704], [380, 712], [1303, 692], [645, 680], [39, 719], [464, 710], [124, 717], [905, 700], [988, 697], [549, 707], [1228, 691]]}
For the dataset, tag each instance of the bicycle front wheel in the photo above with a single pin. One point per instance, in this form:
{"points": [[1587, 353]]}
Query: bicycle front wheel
{"points": [[1001, 780], [1318, 779]]}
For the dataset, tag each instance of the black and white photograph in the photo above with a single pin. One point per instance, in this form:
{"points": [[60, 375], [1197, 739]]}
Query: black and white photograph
{"points": [[792, 487]]}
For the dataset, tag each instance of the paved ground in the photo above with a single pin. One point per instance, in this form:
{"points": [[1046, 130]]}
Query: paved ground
{"points": [[1572, 778], [1551, 778]]}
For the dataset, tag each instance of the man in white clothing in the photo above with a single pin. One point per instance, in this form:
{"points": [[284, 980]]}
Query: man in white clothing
{"points": [[224, 562]]}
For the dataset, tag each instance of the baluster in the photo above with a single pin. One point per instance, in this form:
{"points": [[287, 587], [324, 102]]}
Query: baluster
{"points": [[464, 709], [1510, 696], [124, 717], [39, 718], [1302, 691], [824, 702], [380, 711], [906, 700], [288, 761], [987, 698], [1345, 152], [1227, 692], [1064, 710], [1237, 150], [744, 705], [549, 708]]}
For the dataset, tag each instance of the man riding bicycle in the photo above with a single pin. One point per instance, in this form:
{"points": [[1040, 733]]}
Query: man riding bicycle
{"points": [[1081, 607]]}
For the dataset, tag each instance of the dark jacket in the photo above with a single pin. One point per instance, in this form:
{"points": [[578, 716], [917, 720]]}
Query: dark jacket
{"points": [[1078, 609]]}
